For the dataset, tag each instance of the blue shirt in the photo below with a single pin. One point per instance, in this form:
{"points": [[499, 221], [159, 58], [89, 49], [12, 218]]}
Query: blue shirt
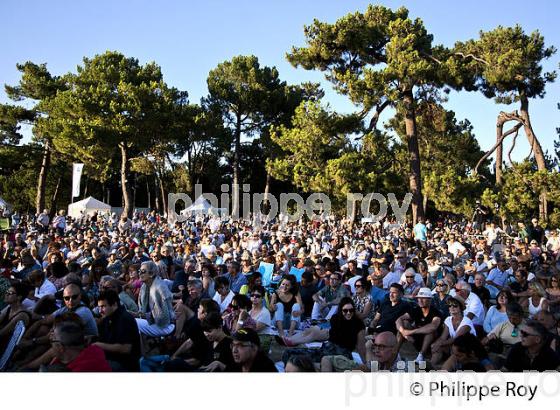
{"points": [[235, 283], [420, 232], [378, 295]]}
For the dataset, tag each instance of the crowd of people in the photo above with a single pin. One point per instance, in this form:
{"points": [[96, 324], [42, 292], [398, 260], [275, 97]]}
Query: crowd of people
{"points": [[109, 293]]}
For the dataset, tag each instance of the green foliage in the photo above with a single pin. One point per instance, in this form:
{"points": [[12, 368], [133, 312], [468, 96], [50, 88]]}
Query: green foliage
{"points": [[505, 62], [518, 197]]}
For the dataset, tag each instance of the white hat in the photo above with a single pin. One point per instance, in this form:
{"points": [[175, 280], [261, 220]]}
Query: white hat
{"points": [[424, 293]]}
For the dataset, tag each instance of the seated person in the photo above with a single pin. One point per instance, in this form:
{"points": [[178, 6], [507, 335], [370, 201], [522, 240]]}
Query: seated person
{"points": [[421, 326], [70, 349], [345, 335], [382, 353], [467, 354], [212, 326], [328, 298], [237, 315], [497, 314], [155, 303], [224, 294], [196, 350], [456, 324], [390, 310], [118, 333], [533, 352], [13, 312], [480, 290], [247, 354], [37, 336], [286, 305], [506, 334]]}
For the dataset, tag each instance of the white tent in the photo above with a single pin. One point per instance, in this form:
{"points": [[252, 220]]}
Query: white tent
{"points": [[201, 206], [4, 204], [87, 207]]}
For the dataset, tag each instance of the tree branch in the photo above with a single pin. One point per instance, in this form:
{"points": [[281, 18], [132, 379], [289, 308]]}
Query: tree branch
{"points": [[378, 110], [504, 135], [513, 145], [475, 58]]}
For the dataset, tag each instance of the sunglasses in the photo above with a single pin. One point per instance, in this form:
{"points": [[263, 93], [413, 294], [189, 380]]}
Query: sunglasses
{"points": [[409, 277], [358, 286], [256, 295], [346, 311], [525, 334], [143, 271], [71, 297], [453, 305], [441, 284]]}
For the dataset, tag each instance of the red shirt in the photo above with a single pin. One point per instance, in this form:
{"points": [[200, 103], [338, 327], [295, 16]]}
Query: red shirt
{"points": [[91, 359]]}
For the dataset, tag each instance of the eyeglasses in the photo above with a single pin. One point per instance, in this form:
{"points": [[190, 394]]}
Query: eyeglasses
{"points": [[256, 295], [346, 311], [441, 284], [9, 293], [143, 271], [453, 305], [358, 286], [380, 347], [71, 297], [526, 334], [409, 277]]}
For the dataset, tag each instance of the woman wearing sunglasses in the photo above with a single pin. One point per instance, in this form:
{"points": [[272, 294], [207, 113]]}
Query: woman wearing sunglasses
{"points": [[237, 315], [13, 313], [455, 325], [347, 333], [441, 296], [261, 315]]}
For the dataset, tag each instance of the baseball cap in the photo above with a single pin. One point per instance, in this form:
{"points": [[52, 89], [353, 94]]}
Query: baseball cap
{"points": [[247, 335]]}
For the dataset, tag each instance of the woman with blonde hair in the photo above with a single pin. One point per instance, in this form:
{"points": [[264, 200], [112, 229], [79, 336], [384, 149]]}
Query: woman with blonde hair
{"points": [[537, 299]]}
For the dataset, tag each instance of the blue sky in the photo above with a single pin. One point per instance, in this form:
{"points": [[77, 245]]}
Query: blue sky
{"points": [[189, 38]]}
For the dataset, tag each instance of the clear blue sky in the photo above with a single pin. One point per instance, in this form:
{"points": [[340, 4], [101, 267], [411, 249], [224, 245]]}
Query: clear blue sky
{"points": [[189, 38]]}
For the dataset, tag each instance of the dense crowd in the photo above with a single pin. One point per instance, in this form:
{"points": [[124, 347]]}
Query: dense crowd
{"points": [[109, 293]]}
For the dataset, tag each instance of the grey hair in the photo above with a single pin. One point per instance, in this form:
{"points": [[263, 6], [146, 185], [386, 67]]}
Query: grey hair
{"points": [[464, 285], [151, 267]]}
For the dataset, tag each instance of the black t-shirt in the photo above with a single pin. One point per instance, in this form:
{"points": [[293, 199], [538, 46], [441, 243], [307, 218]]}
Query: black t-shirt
{"points": [[307, 293], [344, 333], [261, 364], [518, 360], [517, 287], [420, 320], [201, 348], [121, 328], [222, 352], [390, 314]]}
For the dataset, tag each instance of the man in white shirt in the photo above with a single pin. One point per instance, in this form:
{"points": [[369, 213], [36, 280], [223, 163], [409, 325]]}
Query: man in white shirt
{"points": [[224, 294], [474, 308], [455, 247]]}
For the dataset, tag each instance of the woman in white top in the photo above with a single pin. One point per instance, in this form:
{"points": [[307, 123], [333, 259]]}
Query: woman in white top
{"points": [[261, 315], [456, 324], [537, 299]]}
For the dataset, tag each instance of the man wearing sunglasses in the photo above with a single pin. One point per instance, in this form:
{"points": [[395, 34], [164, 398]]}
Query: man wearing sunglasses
{"points": [[38, 334], [533, 352]]}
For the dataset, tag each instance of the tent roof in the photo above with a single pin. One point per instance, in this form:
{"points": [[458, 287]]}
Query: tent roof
{"points": [[90, 203], [4, 204]]}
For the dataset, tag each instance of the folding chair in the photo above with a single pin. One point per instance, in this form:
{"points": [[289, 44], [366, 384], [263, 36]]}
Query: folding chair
{"points": [[17, 334]]}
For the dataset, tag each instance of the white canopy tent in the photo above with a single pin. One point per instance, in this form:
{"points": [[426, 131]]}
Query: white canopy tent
{"points": [[202, 206], [87, 207], [4, 204]]}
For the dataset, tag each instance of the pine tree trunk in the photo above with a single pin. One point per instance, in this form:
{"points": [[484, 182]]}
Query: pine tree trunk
{"points": [[148, 193], [415, 178], [42, 181], [537, 151], [499, 151], [54, 198], [236, 168], [127, 202]]}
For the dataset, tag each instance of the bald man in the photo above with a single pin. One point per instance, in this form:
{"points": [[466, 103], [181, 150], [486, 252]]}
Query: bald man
{"points": [[382, 352]]}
